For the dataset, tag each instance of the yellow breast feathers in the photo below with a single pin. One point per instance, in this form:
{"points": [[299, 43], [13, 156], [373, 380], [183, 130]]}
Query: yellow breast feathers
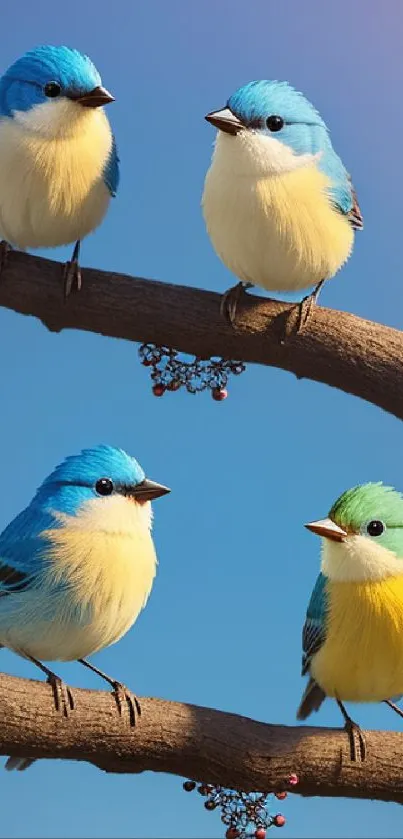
{"points": [[51, 188], [105, 556], [362, 657], [278, 231], [298, 204]]}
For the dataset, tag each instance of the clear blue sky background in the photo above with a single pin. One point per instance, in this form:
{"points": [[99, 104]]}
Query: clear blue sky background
{"points": [[223, 625]]}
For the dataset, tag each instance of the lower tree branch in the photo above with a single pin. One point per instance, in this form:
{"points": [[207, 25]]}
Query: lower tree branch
{"points": [[198, 743], [337, 348]]}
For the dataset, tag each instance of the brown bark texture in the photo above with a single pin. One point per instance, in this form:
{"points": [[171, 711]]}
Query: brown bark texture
{"points": [[198, 743], [339, 349]]}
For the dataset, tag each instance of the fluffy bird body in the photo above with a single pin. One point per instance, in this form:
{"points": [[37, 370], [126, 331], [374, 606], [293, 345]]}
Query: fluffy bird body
{"points": [[353, 634], [76, 567], [278, 203], [58, 159], [362, 657]]}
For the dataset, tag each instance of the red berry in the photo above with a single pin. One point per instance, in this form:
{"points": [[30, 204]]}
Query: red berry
{"points": [[219, 393], [293, 779], [189, 786], [232, 833], [260, 833], [280, 795], [158, 390], [147, 362], [279, 820], [175, 385]]}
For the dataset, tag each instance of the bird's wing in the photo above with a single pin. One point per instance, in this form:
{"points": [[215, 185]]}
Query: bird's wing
{"points": [[355, 215], [342, 192], [314, 631], [111, 171], [12, 580], [23, 550]]}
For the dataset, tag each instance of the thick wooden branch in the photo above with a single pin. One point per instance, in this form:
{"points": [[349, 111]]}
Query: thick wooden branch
{"points": [[198, 743], [339, 349]]}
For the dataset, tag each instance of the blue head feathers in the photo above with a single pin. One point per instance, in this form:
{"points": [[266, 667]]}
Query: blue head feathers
{"points": [[98, 462], [25, 83], [278, 110], [75, 479], [255, 102]]}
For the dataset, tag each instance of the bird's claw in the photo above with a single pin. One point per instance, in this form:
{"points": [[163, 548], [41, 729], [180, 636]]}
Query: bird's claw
{"points": [[358, 745], [125, 699], [306, 307], [304, 312], [72, 277], [5, 249], [229, 302], [394, 707], [62, 695]]}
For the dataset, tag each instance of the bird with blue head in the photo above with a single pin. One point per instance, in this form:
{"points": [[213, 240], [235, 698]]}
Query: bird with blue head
{"points": [[353, 633], [278, 203], [58, 160], [77, 567]]}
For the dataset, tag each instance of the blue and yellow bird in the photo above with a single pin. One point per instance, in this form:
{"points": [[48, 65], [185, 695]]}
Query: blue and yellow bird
{"points": [[353, 633], [279, 205], [77, 566], [58, 160]]}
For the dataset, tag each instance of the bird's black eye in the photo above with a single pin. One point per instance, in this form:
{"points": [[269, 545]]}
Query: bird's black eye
{"points": [[52, 89], [104, 486], [274, 123], [375, 527]]}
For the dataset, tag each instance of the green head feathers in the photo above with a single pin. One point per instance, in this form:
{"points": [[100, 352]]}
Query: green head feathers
{"points": [[372, 510]]}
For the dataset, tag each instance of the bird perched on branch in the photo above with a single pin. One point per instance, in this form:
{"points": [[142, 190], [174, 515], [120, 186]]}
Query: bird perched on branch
{"points": [[279, 206], [58, 160], [77, 566], [353, 633]]}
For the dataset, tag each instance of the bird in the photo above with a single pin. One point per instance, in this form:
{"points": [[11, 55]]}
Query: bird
{"points": [[59, 164], [279, 206], [77, 566], [353, 633]]}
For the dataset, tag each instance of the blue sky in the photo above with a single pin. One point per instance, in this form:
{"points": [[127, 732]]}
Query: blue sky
{"points": [[223, 624]]}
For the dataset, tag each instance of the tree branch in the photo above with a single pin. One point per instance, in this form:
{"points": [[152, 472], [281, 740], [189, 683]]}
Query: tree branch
{"points": [[198, 743], [337, 348]]}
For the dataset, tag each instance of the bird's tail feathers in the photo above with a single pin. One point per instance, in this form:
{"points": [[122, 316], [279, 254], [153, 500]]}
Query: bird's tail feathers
{"points": [[18, 763], [312, 699]]}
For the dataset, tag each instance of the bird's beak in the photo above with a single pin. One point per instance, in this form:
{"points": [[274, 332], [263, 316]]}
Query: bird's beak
{"points": [[95, 98], [148, 490], [226, 121], [328, 529]]}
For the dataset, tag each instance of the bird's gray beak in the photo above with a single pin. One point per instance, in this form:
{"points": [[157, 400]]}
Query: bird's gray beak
{"points": [[327, 529], [95, 98], [148, 490], [226, 121]]}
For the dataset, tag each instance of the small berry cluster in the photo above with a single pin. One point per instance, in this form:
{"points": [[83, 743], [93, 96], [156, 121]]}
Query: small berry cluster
{"points": [[245, 814], [170, 371]]}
